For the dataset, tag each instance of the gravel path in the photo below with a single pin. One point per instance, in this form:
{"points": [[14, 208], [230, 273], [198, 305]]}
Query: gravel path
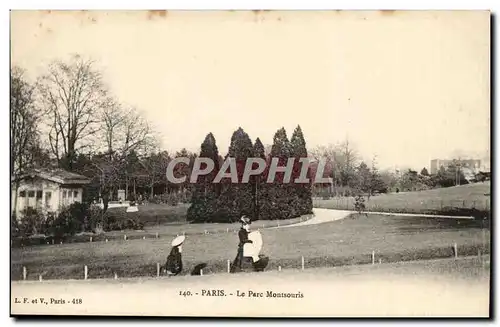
{"points": [[322, 215]]}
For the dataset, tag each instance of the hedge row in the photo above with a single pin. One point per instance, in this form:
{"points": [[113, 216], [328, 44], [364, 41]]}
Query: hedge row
{"points": [[76, 218]]}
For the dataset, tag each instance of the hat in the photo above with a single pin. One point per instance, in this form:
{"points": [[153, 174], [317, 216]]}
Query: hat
{"points": [[178, 240], [245, 220]]}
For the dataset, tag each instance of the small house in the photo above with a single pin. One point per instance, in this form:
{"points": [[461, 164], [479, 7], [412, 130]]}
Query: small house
{"points": [[48, 190]]}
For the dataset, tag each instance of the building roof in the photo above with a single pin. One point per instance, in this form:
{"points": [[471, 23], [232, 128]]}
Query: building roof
{"points": [[60, 176]]}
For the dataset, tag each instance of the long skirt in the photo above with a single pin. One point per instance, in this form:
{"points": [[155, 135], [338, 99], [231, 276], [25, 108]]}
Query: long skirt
{"points": [[240, 261]]}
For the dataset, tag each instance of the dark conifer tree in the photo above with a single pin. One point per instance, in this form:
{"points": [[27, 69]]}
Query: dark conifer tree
{"points": [[258, 181], [203, 203], [302, 191], [280, 204], [237, 199]]}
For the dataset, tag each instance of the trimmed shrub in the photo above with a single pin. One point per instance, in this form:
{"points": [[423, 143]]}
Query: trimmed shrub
{"points": [[32, 222], [71, 220], [115, 220], [14, 226], [359, 204]]}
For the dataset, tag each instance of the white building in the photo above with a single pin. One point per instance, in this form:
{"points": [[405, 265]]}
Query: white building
{"points": [[49, 190], [472, 164]]}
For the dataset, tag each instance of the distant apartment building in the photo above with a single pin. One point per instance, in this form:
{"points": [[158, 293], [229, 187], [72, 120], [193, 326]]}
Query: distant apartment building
{"points": [[485, 165], [472, 165]]}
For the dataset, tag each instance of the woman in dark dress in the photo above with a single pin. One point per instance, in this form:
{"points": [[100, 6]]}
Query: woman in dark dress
{"points": [[243, 236], [174, 259]]}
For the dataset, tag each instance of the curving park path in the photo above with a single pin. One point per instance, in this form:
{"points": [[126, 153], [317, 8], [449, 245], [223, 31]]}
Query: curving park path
{"points": [[321, 216]]}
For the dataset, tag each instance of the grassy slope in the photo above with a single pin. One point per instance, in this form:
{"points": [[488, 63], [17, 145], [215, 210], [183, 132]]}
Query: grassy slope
{"points": [[158, 214], [465, 196], [341, 242], [171, 223], [168, 230]]}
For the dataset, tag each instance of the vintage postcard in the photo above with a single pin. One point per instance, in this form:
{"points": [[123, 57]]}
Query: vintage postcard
{"points": [[250, 163]]}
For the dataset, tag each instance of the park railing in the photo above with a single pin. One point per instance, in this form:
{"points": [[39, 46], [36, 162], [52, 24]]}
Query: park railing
{"points": [[89, 270]]}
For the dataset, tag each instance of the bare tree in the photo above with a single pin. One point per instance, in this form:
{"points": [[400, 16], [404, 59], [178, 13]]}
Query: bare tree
{"points": [[24, 133], [332, 154], [23, 121], [124, 132], [346, 161], [136, 135], [73, 92], [112, 118], [318, 152], [108, 176], [155, 166]]}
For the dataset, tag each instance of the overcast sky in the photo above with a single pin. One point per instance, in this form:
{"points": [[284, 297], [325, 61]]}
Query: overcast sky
{"points": [[408, 87]]}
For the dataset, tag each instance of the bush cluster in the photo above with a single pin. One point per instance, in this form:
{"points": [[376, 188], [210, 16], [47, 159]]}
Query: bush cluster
{"points": [[171, 199], [228, 201], [73, 219]]}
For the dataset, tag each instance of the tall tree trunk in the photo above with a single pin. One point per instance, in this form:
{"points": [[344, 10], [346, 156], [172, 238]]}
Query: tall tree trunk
{"points": [[135, 192], [16, 190], [126, 187], [105, 199]]}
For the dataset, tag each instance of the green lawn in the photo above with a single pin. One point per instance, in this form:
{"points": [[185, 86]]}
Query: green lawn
{"points": [[161, 221], [170, 230], [158, 214], [347, 241], [429, 201]]}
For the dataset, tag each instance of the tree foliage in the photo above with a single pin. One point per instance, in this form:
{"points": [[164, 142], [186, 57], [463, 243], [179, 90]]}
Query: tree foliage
{"points": [[257, 198], [25, 147], [205, 193], [302, 191], [26, 151]]}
